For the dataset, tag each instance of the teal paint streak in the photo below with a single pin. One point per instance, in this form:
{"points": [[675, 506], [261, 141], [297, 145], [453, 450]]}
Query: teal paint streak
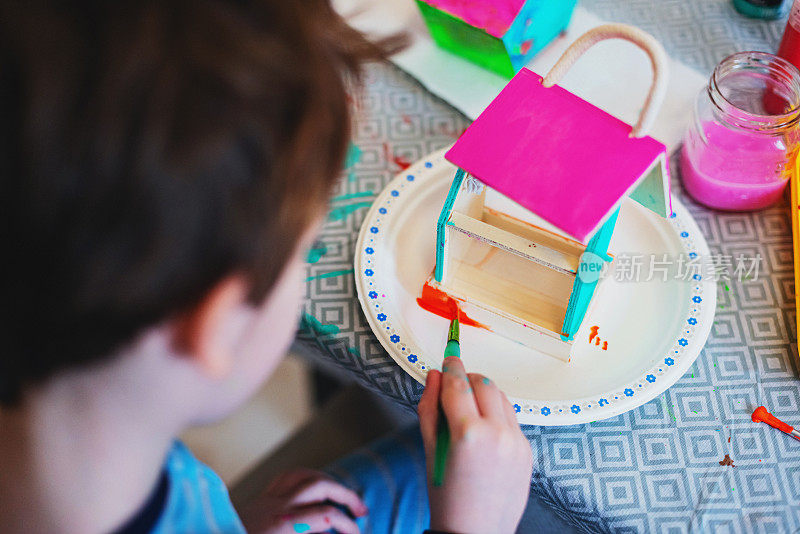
{"points": [[440, 225], [355, 351], [353, 195], [582, 292], [309, 322], [353, 155], [331, 274], [301, 527], [315, 254], [337, 214]]}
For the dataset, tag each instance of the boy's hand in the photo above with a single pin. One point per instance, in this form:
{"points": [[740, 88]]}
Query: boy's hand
{"points": [[304, 501], [488, 471]]}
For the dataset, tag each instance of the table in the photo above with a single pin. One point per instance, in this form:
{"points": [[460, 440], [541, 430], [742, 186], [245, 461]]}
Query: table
{"points": [[656, 468]]}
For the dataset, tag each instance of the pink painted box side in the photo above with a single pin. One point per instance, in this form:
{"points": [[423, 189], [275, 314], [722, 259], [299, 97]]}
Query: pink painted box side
{"points": [[554, 153], [493, 16]]}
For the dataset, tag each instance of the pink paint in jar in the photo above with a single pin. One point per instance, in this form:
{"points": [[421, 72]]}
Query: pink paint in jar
{"points": [[744, 133]]}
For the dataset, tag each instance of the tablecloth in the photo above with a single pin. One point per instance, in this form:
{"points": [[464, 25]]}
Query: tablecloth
{"points": [[656, 468]]}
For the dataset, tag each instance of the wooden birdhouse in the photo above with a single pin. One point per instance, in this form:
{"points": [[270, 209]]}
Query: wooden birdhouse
{"points": [[525, 229], [499, 35]]}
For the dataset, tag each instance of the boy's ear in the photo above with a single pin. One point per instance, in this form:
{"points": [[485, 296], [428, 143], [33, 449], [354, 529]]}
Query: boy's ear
{"points": [[202, 333]]}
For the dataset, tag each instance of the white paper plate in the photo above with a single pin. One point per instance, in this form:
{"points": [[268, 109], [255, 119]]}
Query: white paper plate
{"points": [[654, 329]]}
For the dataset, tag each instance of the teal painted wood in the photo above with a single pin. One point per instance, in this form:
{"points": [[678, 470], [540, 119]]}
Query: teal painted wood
{"points": [[534, 27], [586, 281], [601, 239], [442, 223], [653, 191]]}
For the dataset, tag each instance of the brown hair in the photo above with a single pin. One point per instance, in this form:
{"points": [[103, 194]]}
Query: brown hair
{"points": [[150, 148]]}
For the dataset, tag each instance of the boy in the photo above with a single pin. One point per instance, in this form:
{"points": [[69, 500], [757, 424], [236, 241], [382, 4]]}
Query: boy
{"points": [[165, 165]]}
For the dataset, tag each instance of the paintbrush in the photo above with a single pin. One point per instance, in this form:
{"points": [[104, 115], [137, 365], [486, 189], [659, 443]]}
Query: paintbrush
{"points": [[442, 430], [761, 415]]}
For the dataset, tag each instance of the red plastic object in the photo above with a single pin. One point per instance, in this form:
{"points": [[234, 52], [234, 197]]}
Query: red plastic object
{"points": [[790, 44], [761, 415]]}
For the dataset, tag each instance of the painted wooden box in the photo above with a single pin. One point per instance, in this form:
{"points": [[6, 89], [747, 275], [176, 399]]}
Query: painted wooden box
{"points": [[525, 229], [499, 35]]}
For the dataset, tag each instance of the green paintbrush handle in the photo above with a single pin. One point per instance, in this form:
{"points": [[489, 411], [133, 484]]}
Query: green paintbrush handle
{"points": [[452, 349], [442, 430]]}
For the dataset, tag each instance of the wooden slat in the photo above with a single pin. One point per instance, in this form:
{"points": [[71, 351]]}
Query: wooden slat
{"points": [[521, 246]]}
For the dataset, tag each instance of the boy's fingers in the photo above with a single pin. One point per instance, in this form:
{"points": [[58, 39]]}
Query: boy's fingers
{"points": [[458, 402], [324, 489], [428, 410], [289, 480], [508, 409], [488, 398], [318, 518]]}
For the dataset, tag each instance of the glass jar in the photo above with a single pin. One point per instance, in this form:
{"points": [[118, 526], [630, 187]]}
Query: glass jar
{"points": [[745, 131]]}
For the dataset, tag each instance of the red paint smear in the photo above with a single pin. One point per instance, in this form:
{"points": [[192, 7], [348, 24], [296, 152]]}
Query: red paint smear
{"points": [[440, 303], [605, 345], [525, 47], [727, 461], [761, 415], [593, 333], [406, 118], [398, 160]]}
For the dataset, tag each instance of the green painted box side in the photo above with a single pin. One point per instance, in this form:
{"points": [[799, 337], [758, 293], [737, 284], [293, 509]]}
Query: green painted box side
{"points": [[469, 42]]}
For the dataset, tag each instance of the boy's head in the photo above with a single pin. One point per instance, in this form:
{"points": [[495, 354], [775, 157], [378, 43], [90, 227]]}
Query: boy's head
{"points": [[161, 159]]}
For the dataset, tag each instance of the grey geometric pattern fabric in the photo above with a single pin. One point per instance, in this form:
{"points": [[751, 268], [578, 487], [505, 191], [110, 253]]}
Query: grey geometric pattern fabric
{"points": [[656, 468]]}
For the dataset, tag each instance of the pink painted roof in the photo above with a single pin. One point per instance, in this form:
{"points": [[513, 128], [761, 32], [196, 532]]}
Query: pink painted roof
{"points": [[554, 153], [494, 16]]}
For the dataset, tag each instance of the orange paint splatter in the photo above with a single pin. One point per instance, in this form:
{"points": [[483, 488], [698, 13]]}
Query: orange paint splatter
{"points": [[440, 303], [594, 337], [397, 160], [593, 333]]}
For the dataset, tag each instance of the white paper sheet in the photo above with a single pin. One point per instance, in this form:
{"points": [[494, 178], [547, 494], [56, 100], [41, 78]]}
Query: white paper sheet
{"points": [[613, 75]]}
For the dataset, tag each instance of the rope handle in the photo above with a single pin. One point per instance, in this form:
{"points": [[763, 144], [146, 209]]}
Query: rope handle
{"points": [[642, 39]]}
